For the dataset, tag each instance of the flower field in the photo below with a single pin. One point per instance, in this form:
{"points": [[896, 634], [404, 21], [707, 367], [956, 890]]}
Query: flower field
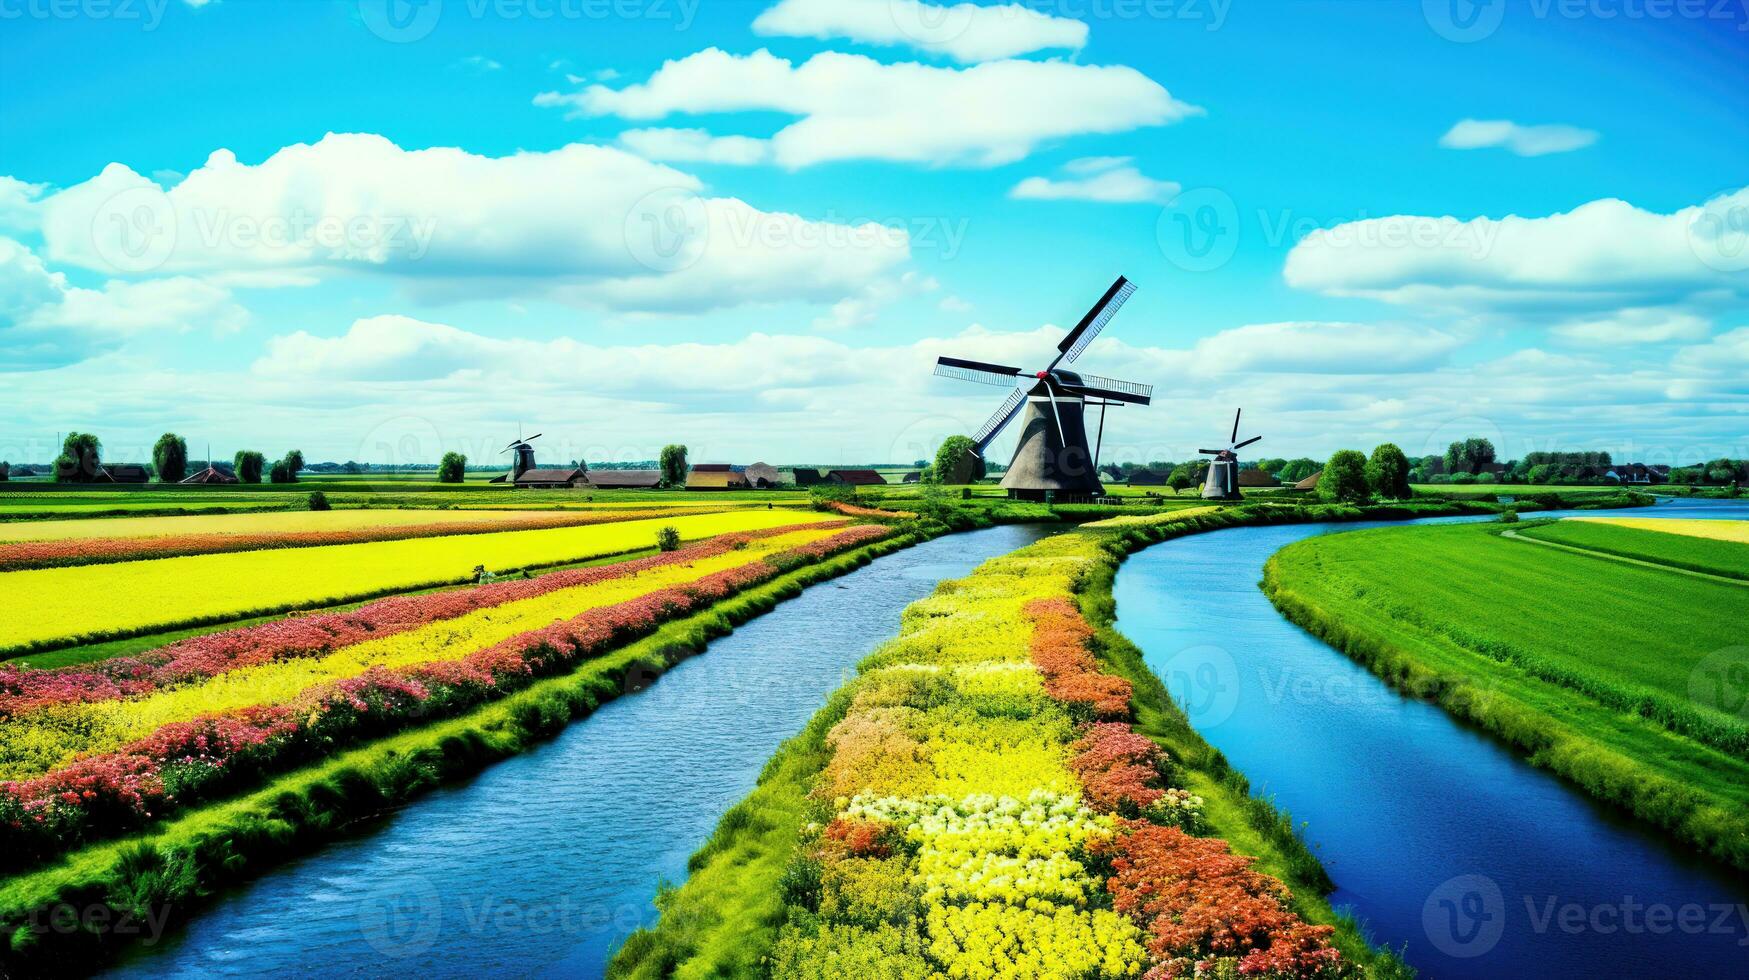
{"points": [[91, 751], [50, 607], [50, 544], [987, 811], [1716, 530]]}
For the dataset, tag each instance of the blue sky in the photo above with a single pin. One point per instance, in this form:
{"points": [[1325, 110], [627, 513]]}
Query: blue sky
{"points": [[1413, 221]]}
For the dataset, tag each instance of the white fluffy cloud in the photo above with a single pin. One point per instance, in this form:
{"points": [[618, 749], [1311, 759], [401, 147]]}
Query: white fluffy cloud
{"points": [[45, 321], [19, 204], [589, 225], [695, 146], [853, 107], [1603, 255], [1106, 180], [965, 32], [1635, 326], [1317, 348], [1526, 141]]}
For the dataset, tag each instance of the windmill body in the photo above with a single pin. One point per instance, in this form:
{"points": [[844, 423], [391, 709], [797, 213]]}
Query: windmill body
{"points": [[1222, 482], [521, 462], [1053, 459]]}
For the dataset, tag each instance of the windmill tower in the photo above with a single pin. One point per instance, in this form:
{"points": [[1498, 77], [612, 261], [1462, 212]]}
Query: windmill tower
{"points": [[1223, 478], [1053, 457], [524, 459]]}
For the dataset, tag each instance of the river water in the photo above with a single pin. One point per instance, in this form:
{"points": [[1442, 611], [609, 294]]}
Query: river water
{"points": [[543, 864], [1439, 838]]}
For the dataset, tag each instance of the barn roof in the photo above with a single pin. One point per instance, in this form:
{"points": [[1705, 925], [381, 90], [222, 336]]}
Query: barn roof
{"points": [[625, 478], [714, 480], [1310, 482], [1147, 478], [856, 478], [211, 474], [568, 475], [126, 472], [1257, 478], [915, 476], [712, 468], [762, 471], [807, 476]]}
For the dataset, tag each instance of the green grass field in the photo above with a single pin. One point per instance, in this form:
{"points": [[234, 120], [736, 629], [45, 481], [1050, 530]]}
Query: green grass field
{"points": [[1715, 557], [1628, 680]]}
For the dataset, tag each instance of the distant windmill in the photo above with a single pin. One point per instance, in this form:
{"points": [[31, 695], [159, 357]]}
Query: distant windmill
{"points": [[1052, 456], [524, 460], [1223, 478]]}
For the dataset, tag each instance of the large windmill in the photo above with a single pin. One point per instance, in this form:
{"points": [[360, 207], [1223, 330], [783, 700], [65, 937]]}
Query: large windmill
{"points": [[1053, 457], [1223, 478], [522, 462]]}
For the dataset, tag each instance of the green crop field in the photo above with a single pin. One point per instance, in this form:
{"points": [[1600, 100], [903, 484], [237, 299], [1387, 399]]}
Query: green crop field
{"points": [[1629, 680], [1710, 555]]}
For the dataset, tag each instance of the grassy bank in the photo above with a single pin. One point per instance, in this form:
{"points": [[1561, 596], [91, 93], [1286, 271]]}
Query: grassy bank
{"points": [[1659, 546], [165, 873], [1603, 672]]}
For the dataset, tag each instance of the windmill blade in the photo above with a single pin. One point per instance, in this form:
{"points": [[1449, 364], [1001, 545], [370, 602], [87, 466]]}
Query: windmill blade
{"points": [[1005, 414], [1095, 320], [532, 438], [979, 371], [1242, 445], [1108, 393], [510, 447], [1235, 437], [1133, 392], [1211, 452]]}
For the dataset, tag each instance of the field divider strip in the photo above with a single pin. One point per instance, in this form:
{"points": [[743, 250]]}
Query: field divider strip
{"points": [[1592, 553]]}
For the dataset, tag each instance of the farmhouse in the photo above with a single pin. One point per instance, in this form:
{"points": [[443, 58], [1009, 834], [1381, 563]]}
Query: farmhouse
{"points": [[625, 479], [855, 478], [123, 473], [1147, 478], [763, 475], [1256, 478], [915, 476], [807, 477], [556, 479], [712, 478], [1309, 484]]}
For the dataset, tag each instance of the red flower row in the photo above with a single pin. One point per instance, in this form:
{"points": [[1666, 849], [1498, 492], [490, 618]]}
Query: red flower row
{"points": [[18, 555], [181, 763], [1196, 900], [197, 658]]}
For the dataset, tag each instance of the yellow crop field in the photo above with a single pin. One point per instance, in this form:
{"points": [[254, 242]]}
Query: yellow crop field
{"points": [[43, 739], [57, 606], [273, 522], [1139, 520], [1716, 530]]}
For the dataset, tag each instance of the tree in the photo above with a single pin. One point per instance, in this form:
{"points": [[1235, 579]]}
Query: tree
{"points": [[280, 472], [248, 464], [673, 465], [5, 471], [294, 462], [1387, 472], [1180, 477], [81, 458], [957, 461], [452, 468], [1721, 471], [1296, 470], [1344, 479], [170, 458], [1469, 456], [1272, 465]]}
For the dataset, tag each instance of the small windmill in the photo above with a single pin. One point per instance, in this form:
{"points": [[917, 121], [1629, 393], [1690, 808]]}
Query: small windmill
{"points": [[1223, 478], [1053, 456], [524, 460]]}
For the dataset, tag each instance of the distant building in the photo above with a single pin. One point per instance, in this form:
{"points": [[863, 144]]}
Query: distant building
{"points": [[712, 468], [211, 475], [1638, 474], [123, 473], [1256, 478], [856, 478], [1147, 478], [763, 475], [915, 476], [625, 479], [1309, 483], [555, 479], [715, 479], [807, 477]]}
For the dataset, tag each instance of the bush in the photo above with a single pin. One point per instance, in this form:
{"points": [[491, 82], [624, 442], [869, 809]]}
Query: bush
{"points": [[1509, 516], [1486, 478], [668, 538], [824, 495], [1387, 472], [319, 501], [452, 468], [1344, 479]]}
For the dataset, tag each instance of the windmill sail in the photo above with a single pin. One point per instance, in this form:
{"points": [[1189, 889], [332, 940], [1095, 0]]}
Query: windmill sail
{"points": [[999, 421], [979, 371], [1095, 320]]}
